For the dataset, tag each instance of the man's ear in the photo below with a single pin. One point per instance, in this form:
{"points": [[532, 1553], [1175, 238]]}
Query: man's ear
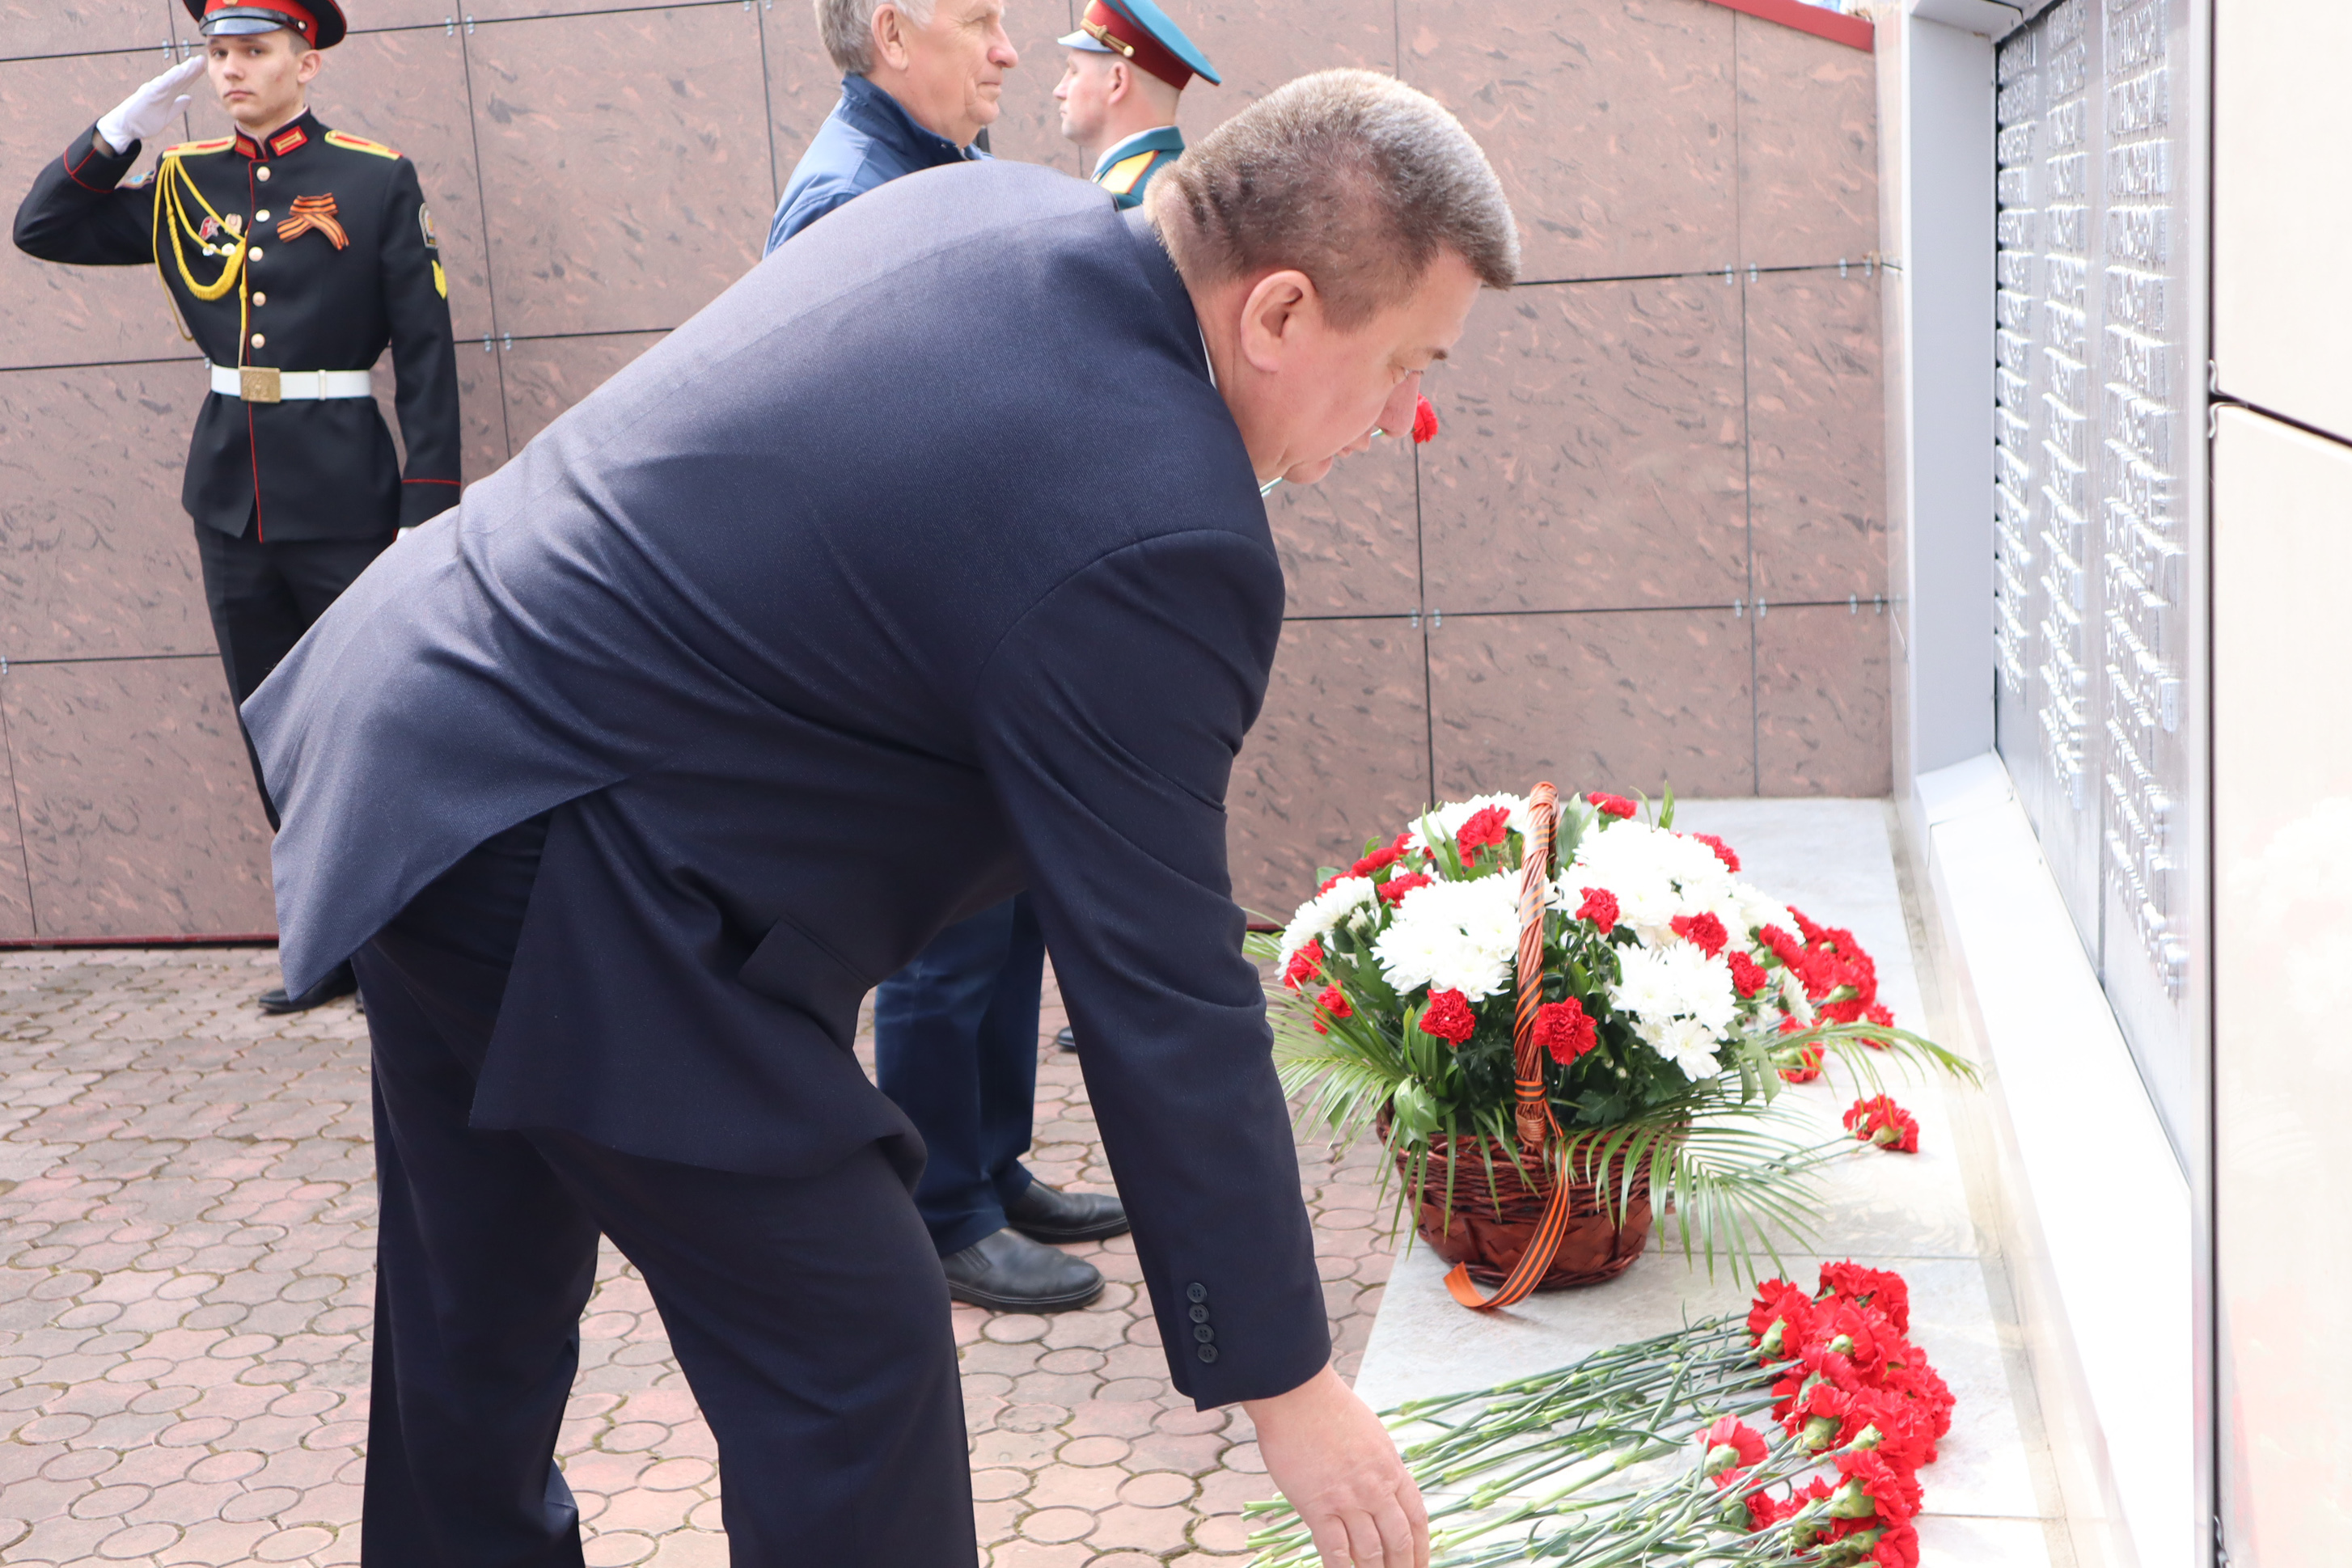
{"points": [[1122, 82], [1279, 310], [307, 68], [890, 36]]}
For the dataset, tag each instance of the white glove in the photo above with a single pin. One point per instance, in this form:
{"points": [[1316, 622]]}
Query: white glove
{"points": [[149, 109]]}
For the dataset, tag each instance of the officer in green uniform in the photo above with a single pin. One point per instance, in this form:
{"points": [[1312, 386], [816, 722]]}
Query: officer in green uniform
{"points": [[294, 256], [1129, 65]]}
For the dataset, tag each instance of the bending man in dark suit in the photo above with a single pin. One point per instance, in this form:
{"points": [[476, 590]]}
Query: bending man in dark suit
{"points": [[626, 780]]}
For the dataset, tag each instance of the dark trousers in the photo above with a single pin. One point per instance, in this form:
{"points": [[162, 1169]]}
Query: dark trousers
{"points": [[263, 596], [955, 1044], [810, 1316]]}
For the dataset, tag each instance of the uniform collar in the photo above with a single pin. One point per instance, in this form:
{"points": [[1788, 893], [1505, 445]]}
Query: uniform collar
{"points": [[876, 112], [1159, 139], [299, 132]]}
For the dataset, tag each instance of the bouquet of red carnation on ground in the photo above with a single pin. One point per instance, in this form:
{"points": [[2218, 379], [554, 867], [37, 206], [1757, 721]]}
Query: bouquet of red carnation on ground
{"points": [[1795, 1434], [1673, 999]]}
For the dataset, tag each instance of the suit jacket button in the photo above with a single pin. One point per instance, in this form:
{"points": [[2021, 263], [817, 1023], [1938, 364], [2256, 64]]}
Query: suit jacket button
{"points": [[1207, 1353], [1203, 1333], [1200, 1315], [1196, 1292], [261, 172]]}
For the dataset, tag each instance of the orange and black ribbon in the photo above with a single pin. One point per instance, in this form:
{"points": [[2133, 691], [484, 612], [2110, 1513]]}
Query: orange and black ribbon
{"points": [[314, 213]]}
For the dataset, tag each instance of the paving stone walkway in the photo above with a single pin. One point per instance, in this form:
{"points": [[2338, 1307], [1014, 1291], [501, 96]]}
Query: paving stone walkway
{"points": [[187, 1219]]}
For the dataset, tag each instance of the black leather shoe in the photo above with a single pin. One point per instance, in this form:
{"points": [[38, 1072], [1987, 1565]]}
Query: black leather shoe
{"points": [[340, 982], [1066, 1037], [1010, 1273], [1048, 1214]]}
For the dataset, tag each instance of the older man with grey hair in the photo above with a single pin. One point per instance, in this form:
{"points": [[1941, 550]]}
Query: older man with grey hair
{"points": [[920, 81], [621, 783]]}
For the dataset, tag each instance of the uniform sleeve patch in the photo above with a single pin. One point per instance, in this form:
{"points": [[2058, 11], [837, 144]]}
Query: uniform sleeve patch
{"points": [[425, 225], [358, 144], [1122, 176]]}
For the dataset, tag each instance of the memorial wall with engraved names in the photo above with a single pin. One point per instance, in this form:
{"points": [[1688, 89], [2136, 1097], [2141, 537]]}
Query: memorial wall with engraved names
{"points": [[2100, 451]]}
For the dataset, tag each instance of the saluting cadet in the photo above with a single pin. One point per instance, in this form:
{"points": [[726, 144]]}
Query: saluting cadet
{"points": [[293, 256], [1129, 65]]}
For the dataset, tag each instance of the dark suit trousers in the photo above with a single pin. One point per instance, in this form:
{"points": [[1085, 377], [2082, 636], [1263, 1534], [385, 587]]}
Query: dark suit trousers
{"points": [[263, 596], [955, 1044], [810, 1316]]}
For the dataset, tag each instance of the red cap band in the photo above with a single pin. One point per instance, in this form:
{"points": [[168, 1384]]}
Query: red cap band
{"points": [[297, 17], [1112, 27]]}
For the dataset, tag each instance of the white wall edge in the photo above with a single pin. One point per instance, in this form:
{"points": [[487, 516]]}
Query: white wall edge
{"points": [[2098, 1210]]}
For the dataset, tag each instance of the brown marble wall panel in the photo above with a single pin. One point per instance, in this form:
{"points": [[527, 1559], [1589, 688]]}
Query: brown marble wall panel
{"points": [[1029, 122], [1609, 121], [1620, 701], [1816, 428], [95, 556], [1808, 148], [1340, 753], [1590, 452], [408, 91], [15, 892], [545, 376], [624, 156], [74, 315], [1822, 707], [481, 409], [81, 26], [802, 85], [1258, 45], [1351, 544], [140, 814]]}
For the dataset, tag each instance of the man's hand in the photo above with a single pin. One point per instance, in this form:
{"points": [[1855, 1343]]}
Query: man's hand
{"points": [[155, 105], [1340, 1468]]}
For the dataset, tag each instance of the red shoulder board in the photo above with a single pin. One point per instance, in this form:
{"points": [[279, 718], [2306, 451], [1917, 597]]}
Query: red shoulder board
{"points": [[217, 144], [358, 144]]}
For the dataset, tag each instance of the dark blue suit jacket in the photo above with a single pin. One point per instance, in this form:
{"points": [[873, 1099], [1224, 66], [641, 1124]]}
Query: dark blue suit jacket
{"points": [[816, 659]]}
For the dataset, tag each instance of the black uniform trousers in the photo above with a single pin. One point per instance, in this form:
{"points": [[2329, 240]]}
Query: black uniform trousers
{"points": [[955, 1044], [264, 595], [810, 1316]]}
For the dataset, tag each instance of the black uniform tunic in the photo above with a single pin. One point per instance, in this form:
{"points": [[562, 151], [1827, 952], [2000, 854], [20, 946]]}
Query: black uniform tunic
{"points": [[313, 296]]}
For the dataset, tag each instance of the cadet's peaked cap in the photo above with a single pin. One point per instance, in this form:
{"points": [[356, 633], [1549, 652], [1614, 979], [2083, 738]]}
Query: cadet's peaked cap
{"points": [[319, 22], [1142, 32]]}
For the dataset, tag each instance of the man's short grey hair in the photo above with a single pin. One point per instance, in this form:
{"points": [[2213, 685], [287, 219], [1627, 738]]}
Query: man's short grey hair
{"points": [[1348, 176], [848, 28]]}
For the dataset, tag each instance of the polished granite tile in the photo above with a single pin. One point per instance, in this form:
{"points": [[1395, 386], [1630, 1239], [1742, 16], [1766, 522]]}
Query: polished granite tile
{"points": [[1351, 545], [1816, 418], [481, 409], [1258, 45], [1808, 148], [1623, 701], [1590, 452], [96, 557], [624, 158], [1822, 702], [139, 808], [76, 314], [408, 91], [1028, 128], [546, 376], [1340, 754], [1608, 121], [81, 27]]}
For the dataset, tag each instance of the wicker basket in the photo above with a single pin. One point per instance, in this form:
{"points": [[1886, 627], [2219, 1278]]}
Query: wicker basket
{"points": [[1485, 1224]]}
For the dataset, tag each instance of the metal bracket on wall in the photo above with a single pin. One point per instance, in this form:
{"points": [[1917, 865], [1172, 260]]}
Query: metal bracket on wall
{"points": [[469, 26], [506, 342], [1738, 609], [1414, 619], [1751, 272], [1727, 279], [486, 344], [1759, 607]]}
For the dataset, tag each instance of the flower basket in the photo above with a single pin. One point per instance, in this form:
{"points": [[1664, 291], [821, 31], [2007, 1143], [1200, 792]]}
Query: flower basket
{"points": [[1476, 1207]]}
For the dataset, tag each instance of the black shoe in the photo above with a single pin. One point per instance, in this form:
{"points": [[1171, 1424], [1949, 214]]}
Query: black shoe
{"points": [[1066, 1037], [340, 982], [1048, 1214], [1011, 1273]]}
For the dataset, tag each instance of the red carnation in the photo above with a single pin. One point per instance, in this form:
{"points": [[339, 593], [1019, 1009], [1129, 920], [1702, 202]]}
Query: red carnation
{"points": [[1332, 1003], [1882, 1289], [1424, 420], [1305, 964], [1611, 805], [1396, 887], [1779, 1319], [1876, 1488], [1879, 1120], [1490, 826], [1448, 1016], [1599, 906], [1378, 860], [1730, 1446], [1722, 850], [1704, 932], [1564, 1029], [1896, 1548], [1747, 974]]}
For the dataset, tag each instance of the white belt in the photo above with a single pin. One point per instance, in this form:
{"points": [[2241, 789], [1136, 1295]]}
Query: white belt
{"points": [[261, 383]]}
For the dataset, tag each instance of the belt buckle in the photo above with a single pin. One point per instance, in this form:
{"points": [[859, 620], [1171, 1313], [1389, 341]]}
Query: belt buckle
{"points": [[259, 383]]}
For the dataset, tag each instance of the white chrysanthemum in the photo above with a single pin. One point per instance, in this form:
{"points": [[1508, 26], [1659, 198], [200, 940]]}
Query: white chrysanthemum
{"points": [[1453, 937], [1687, 1043], [1658, 875], [1446, 820], [1677, 980], [1321, 914], [1794, 1001]]}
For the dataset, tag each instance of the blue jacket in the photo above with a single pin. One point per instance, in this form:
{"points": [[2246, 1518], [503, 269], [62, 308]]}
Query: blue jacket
{"points": [[868, 140], [812, 660]]}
